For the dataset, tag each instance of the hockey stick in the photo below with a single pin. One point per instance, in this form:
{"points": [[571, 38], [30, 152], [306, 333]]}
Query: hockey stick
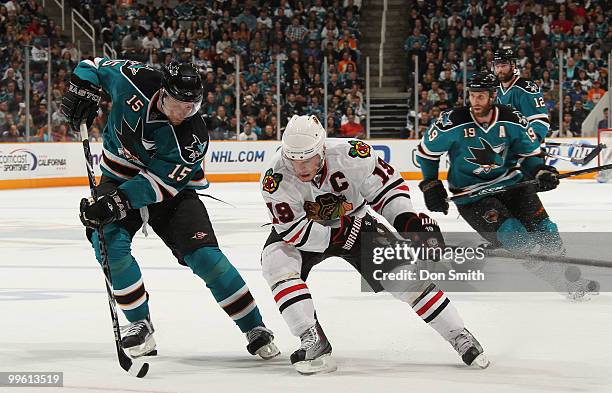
{"points": [[581, 161], [124, 360], [500, 189], [501, 253], [572, 144], [216, 199]]}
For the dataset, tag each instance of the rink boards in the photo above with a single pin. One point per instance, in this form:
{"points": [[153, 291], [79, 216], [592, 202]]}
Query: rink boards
{"points": [[31, 165]]}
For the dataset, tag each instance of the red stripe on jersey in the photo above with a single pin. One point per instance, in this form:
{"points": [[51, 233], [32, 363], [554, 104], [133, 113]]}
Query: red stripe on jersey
{"points": [[379, 205], [288, 290], [295, 237], [430, 303]]}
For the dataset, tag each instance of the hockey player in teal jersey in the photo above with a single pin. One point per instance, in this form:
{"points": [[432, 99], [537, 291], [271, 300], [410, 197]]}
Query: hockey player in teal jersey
{"points": [[491, 145], [521, 94], [488, 145], [154, 144]]}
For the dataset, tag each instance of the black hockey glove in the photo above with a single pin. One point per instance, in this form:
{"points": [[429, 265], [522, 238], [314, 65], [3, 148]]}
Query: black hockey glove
{"points": [[547, 177], [347, 238], [435, 195], [420, 229], [108, 208], [80, 103]]}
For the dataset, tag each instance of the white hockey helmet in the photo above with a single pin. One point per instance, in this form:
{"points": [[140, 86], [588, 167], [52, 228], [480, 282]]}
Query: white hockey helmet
{"points": [[304, 137]]}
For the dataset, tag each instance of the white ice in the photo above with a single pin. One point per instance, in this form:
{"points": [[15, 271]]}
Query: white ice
{"points": [[54, 314]]}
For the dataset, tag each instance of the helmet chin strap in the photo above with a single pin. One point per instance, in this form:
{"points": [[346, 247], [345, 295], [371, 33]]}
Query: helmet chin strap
{"points": [[321, 163]]}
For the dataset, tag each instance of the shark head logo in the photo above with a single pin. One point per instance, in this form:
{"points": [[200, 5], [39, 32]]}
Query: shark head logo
{"points": [[532, 87], [197, 148], [486, 157], [444, 119]]}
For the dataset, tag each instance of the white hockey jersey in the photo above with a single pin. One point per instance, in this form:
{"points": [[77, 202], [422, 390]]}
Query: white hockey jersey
{"points": [[353, 176]]}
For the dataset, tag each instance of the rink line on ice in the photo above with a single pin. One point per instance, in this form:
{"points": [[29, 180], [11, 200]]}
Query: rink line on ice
{"points": [[177, 268], [104, 389]]}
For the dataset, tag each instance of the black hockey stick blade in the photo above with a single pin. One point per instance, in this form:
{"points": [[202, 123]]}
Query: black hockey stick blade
{"points": [[126, 363], [589, 157]]}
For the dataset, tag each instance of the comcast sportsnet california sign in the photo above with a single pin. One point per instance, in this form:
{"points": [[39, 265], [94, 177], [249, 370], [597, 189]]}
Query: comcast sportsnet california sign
{"points": [[25, 160]]}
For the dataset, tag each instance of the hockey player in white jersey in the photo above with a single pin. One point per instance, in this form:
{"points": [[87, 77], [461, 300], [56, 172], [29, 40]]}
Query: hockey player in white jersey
{"points": [[318, 192]]}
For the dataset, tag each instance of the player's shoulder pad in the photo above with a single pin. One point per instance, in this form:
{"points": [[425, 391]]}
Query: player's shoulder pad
{"points": [[275, 174], [347, 149], [142, 77], [192, 139], [527, 85], [452, 118], [508, 114]]}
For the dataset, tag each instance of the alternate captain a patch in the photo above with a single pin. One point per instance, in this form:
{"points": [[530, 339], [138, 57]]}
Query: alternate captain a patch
{"points": [[359, 149], [271, 181]]}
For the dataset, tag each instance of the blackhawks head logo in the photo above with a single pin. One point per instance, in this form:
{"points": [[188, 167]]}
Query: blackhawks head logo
{"points": [[359, 149], [271, 181], [327, 207]]}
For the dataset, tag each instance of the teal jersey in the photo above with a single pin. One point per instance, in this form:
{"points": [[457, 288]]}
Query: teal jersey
{"points": [[152, 159], [525, 96], [480, 156]]}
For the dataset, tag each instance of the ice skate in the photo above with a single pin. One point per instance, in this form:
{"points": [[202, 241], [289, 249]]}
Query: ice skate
{"points": [[582, 290], [469, 349], [314, 355], [261, 343], [137, 338]]}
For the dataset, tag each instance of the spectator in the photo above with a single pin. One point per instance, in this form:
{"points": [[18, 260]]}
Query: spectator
{"points": [[291, 107], [131, 43], [352, 129], [596, 92], [604, 122], [296, 32], [269, 133], [346, 62], [220, 125], [579, 114], [247, 134], [332, 127], [570, 127], [150, 42], [249, 108], [12, 135]]}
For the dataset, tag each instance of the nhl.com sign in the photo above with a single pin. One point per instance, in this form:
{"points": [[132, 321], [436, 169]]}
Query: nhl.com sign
{"points": [[24, 160]]}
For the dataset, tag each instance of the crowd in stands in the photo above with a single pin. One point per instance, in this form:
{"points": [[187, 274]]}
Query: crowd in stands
{"points": [[211, 34], [301, 33], [441, 31]]}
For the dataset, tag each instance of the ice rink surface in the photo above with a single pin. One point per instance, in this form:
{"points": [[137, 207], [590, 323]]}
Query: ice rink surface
{"points": [[54, 313]]}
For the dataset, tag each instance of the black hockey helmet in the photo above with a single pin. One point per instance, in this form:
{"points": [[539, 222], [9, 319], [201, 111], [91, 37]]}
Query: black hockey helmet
{"points": [[182, 82], [483, 81], [504, 55]]}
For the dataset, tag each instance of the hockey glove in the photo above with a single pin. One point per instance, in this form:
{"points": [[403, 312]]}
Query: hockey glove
{"points": [[347, 237], [547, 178], [435, 195], [80, 103], [421, 229], [108, 208]]}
